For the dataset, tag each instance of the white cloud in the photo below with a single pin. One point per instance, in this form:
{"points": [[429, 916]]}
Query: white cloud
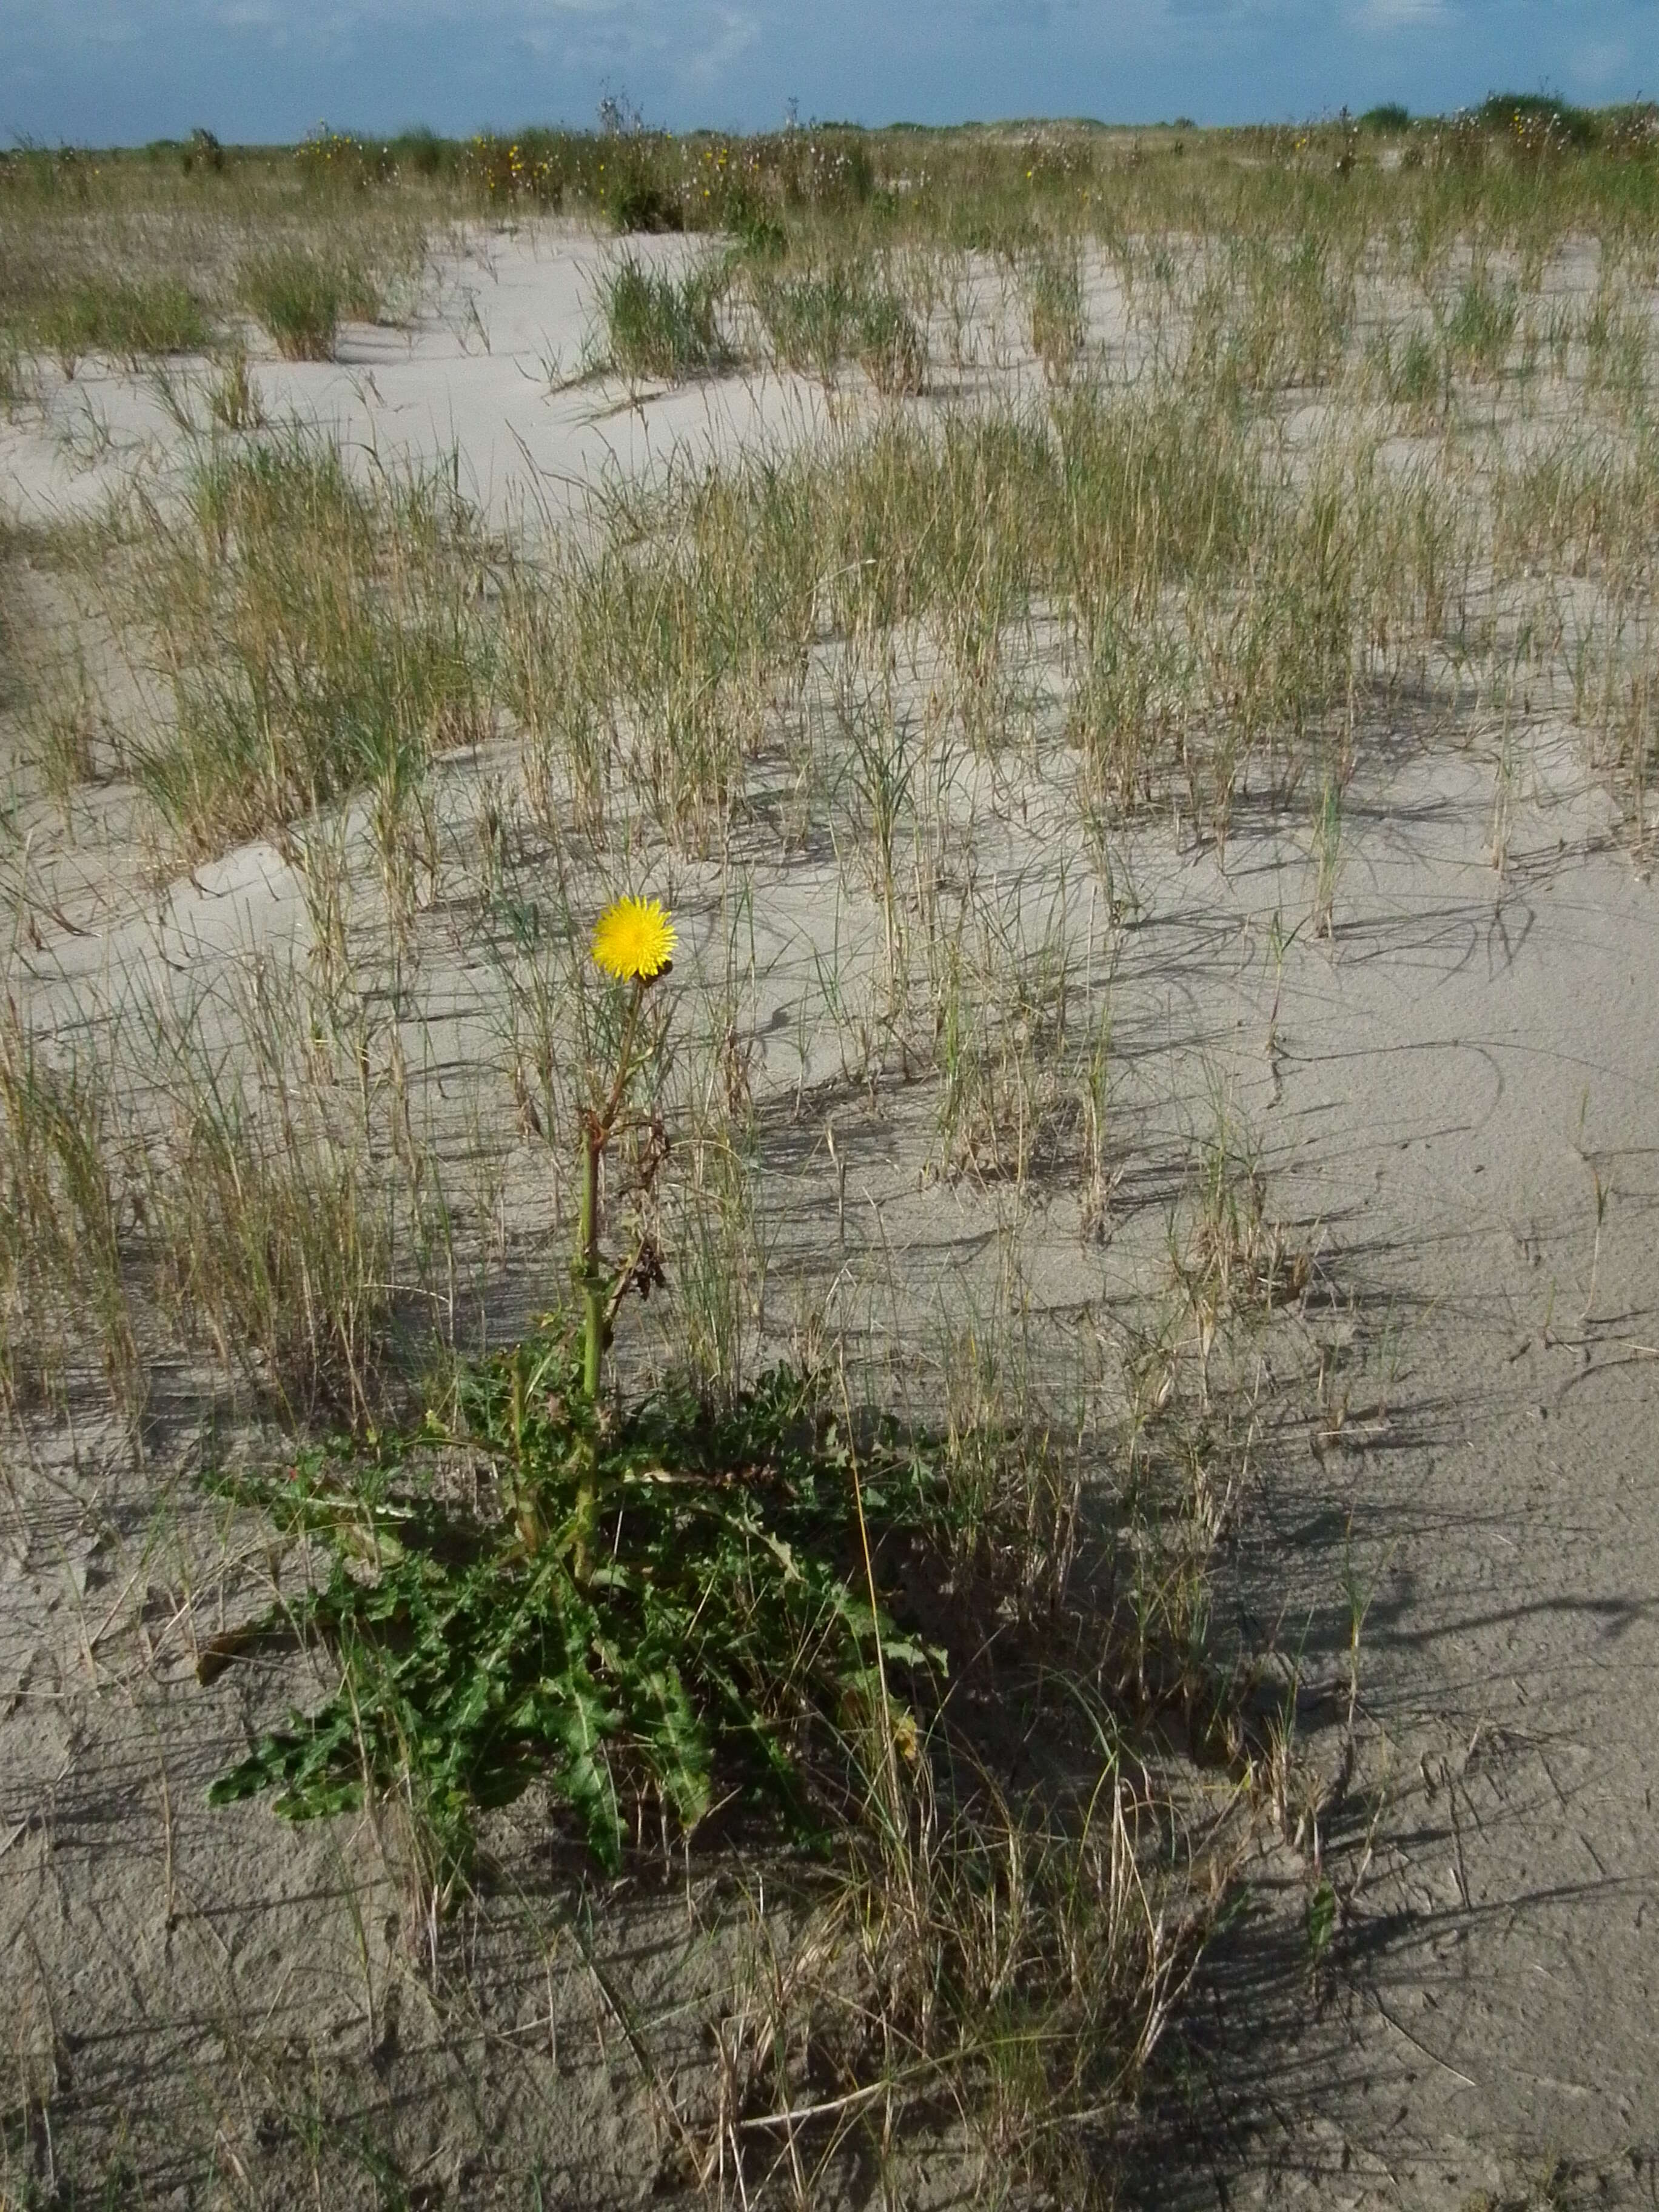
{"points": [[695, 46], [1599, 66], [1385, 16], [729, 36]]}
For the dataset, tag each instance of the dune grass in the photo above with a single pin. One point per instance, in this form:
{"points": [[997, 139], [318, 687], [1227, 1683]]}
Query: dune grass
{"points": [[140, 258], [319, 635], [658, 325], [301, 296], [125, 318]]}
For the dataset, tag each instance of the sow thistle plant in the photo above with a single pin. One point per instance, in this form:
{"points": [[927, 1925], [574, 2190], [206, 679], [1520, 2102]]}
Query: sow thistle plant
{"points": [[672, 1605], [634, 943]]}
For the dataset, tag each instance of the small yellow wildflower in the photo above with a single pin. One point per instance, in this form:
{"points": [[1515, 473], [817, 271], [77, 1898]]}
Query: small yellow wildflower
{"points": [[633, 941]]}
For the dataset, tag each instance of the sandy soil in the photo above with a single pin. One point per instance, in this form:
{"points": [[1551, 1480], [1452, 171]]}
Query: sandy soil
{"points": [[486, 377], [1472, 1056], [1445, 1081]]}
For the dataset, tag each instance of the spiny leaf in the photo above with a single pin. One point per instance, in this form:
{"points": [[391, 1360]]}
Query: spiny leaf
{"points": [[725, 1619], [682, 1760], [581, 1721]]}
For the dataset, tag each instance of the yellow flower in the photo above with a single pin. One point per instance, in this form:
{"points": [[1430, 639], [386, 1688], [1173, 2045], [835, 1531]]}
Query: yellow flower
{"points": [[633, 941]]}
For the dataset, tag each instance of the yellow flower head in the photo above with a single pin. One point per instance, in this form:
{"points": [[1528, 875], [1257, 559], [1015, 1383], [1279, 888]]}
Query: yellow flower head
{"points": [[634, 939]]}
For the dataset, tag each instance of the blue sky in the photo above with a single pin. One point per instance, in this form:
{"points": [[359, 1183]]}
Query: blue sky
{"points": [[119, 71]]}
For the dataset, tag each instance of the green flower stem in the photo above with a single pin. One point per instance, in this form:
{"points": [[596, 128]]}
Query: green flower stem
{"points": [[591, 1283], [613, 1104], [596, 1135], [590, 1279]]}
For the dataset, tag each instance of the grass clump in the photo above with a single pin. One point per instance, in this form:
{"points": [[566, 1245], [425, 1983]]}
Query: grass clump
{"points": [[891, 350], [1482, 326], [15, 383], [232, 400], [1589, 504], [274, 1246], [725, 1640], [301, 294], [814, 320], [807, 321], [658, 325], [1416, 374], [59, 1220], [195, 1219], [320, 636], [1053, 303], [127, 318]]}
